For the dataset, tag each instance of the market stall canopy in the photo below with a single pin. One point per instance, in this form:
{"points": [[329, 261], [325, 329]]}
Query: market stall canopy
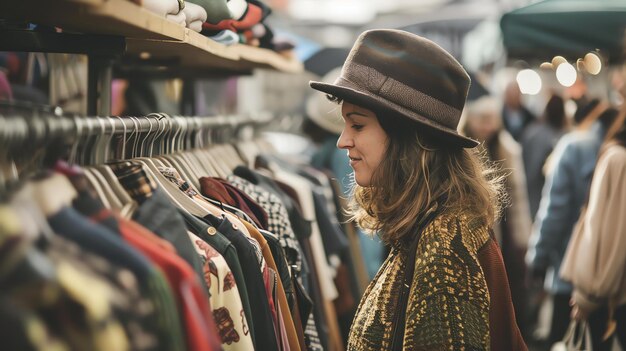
{"points": [[569, 28]]}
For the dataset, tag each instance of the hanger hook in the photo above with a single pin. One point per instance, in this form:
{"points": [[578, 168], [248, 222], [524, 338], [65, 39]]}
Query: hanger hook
{"points": [[90, 127], [109, 139], [134, 132], [158, 117], [174, 129], [143, 141], [123, 137], [74, 149], [95, 157]]}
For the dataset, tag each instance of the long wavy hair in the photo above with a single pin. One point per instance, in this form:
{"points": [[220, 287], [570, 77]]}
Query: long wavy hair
{"points": [[418, 171]]}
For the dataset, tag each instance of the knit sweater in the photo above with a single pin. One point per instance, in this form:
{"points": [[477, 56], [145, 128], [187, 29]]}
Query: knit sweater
{"points": [[457, 270]]}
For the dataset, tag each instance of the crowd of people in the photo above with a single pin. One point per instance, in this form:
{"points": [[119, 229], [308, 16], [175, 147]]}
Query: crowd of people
{"points": [[550, 161]]}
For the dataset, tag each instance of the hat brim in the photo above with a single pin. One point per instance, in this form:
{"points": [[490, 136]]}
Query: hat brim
{"points": [[346, 90]]}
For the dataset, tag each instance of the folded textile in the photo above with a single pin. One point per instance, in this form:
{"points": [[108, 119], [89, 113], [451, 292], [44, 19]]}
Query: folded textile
{"points": [[194, 12], [195, 26], [161, 7], [237, 8], [216, 10], [179, 18], [265, 10], [252, 16], [226, 37], [195, 15]]}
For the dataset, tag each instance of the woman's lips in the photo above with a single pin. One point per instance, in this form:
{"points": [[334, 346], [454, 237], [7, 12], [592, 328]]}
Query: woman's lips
{"points": [[354, 160]]}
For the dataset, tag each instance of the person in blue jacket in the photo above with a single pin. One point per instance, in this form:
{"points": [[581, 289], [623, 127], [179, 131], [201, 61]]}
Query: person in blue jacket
{"points": [[569, 176]]}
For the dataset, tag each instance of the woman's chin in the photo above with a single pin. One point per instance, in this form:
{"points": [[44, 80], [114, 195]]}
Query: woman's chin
{"points": [[361, 182]]}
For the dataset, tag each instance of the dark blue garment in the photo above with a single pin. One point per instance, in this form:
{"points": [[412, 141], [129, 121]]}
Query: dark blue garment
{"points": [[70, 224], [259, 302], [158, 214], [278, 254], [333, 237]]}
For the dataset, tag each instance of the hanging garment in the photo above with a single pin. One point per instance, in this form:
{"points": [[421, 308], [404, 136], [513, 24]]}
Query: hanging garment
{"points": [[278, 219], [225, 299], [124, 287], [223, 191], [172, 174], [234, 335], [333, 237], [156, 212], [259, 300], [279, 223], [68, 223], [198, 323], [63, 292], [218, 241], [282, 267], [325, 272], [281, 297], [93, 209], [301, 227]]}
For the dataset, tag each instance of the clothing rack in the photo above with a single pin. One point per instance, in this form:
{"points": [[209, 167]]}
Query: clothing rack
{"points": [[15, 129]]}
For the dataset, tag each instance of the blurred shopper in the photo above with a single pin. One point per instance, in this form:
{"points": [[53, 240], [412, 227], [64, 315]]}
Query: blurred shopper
{"points": [[538, 141], [323, 125], [566, 187], [484, 123], [443, 286], [515, 116], [595, 261]]}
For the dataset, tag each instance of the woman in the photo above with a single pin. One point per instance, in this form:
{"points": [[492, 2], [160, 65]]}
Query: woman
{"points": [[484, 123], [419, 186], [595, 262]]}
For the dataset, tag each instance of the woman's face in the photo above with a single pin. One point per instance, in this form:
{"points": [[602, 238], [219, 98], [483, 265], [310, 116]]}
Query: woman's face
{"points": [[365, 140]]}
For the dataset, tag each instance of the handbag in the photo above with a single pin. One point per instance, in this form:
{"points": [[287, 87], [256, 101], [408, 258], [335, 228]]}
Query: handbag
{"points": [[399, 320], [577, 334]]}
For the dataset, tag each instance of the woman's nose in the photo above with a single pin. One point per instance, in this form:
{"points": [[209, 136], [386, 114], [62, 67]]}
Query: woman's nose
{"points": [[345, 141]]}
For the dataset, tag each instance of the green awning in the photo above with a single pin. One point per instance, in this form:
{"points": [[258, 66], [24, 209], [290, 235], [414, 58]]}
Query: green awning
{"points": [[569, 28]]}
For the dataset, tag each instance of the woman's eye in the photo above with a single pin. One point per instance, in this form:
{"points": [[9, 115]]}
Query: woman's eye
{"points": [[357, 126]]}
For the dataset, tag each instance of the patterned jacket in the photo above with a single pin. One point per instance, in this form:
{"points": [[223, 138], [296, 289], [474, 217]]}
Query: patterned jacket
{"points": [[459, 298]]}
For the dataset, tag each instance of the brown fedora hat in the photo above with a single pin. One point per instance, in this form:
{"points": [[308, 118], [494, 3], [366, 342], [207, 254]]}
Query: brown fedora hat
{"points": [[397, 72]]}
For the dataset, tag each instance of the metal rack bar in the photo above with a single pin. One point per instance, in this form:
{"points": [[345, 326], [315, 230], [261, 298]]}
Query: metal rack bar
{"points": [[17, 129]]}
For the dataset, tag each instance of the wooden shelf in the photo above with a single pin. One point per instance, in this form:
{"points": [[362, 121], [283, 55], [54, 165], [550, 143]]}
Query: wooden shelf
{"points": [[113, 17], [265, 58], [147, 35]]}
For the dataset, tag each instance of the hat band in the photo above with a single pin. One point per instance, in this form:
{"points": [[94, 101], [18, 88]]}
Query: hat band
{"points": [[399, 93]]}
